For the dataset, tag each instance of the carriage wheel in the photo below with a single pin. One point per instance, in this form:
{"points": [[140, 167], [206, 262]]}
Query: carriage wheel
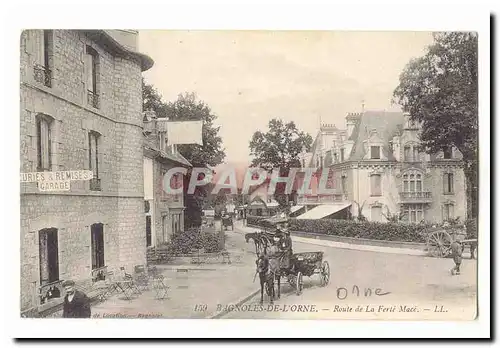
{"points": [[299, 284], [325, 273], [439, 244]]}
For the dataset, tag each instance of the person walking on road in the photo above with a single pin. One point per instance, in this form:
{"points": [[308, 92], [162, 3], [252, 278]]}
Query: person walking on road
{"points": [[456, 252], [76, 303]]}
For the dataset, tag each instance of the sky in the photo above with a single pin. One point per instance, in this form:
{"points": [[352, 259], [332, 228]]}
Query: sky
{"points": [[250, 77]]}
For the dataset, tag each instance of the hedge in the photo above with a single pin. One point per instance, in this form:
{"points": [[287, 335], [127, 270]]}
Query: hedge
{"points": [[397, 232], [185, 242]]}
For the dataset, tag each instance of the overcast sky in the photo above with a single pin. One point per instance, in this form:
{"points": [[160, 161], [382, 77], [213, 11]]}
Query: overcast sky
{"points": [[249, 77]]}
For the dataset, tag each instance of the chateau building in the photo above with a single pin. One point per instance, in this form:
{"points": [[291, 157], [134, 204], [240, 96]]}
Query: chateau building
{"points": [[81, 112], [377, 168]]}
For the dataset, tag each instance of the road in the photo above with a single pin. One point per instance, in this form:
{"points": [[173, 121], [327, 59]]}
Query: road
{"points": [[410, 287]]}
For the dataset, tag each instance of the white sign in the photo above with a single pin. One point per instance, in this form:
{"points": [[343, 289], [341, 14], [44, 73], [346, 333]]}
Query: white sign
{"points": [[69, 175], [54, 185], [184, 132]]}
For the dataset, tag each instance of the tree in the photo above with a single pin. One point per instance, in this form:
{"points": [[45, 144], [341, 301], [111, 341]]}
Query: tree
{"points": [[188, 108], [439, 90], [279, 148]]}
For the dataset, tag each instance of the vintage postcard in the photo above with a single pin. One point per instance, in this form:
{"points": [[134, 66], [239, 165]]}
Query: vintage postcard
{"points": [[249, 174]]}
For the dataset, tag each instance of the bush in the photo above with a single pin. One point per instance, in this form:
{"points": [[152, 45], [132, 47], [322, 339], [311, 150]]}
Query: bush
{"points": [[211, 242], [188, 241], [185, 241], [397, 232]]}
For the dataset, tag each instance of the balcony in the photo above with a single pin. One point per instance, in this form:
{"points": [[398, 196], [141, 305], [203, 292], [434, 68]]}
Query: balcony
{"points": [[415, 197], [337, 197], [43, 75], [93, 99], [95, 184]]}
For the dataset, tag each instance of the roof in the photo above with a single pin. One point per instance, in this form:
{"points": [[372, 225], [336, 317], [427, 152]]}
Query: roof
{"points": [[114, 46], [387, 124], [323, 210], [177, 158]]}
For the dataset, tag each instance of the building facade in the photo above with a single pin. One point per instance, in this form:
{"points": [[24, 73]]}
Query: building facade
{"points": [[378, 169], [164, 211], [81, 110]]}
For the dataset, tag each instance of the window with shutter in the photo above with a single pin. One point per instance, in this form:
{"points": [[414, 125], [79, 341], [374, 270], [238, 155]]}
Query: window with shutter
{"points": [[95, 182], [43, 58], [407, 153], [448, 183], [416, 154], [97, 248], [92, 78], [48, 255], [44, 144], [376, 189], [341, 155]]}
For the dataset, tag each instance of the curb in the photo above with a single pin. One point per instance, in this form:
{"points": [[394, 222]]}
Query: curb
{"points": [[238, 303], [353, 246]]}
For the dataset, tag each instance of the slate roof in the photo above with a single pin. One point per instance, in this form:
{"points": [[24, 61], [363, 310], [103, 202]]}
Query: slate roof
{"points": [[387, 125]]}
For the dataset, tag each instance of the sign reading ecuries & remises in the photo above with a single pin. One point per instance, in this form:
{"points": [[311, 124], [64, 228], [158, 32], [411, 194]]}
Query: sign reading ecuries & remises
{"points": [[56, 181]]}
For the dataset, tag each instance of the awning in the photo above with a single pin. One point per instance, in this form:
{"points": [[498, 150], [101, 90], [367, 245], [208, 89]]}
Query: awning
{"points": [[295, 208], [323, 210]]}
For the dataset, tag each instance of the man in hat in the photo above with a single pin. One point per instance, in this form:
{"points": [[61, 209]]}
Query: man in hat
{"points": [[76, 303], [285, 242]]}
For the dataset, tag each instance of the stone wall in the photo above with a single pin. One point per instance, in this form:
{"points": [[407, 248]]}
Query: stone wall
{"points": [[119, 205]]}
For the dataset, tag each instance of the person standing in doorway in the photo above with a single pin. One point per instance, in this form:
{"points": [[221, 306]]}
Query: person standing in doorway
{"points": [[76, 303]]}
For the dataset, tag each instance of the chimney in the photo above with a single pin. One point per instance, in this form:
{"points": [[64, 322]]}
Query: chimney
{"points": [[352, 119]]}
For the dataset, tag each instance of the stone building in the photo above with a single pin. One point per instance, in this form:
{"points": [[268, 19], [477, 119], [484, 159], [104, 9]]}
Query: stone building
{"points": [[81, 109], [376, 164], [164, 212]]}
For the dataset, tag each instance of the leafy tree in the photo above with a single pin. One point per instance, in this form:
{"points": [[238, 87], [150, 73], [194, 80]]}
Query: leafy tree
{"points": [[279, 147], [440, 91], [188, 108]]}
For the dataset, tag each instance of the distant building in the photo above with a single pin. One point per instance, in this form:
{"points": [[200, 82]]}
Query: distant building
{"points": [[81, 101], [377, 162], [260, 203], [164, 212]]}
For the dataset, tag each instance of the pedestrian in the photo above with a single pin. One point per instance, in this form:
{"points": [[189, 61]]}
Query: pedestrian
{"points": [[456, 252], [76, 303]]}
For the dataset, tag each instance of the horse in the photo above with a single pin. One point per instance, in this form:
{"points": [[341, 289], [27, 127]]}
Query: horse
{"points": [[275, 267], [266, 277]]}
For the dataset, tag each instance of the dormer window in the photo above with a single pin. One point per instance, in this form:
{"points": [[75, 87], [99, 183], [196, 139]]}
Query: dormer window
{"points": [[375, 152], [336, 157], [447, 153]]}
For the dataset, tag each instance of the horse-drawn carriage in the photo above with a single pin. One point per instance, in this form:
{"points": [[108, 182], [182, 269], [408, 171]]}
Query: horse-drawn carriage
{"points": [[300, 265], [307, 264], [439, 242]]}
